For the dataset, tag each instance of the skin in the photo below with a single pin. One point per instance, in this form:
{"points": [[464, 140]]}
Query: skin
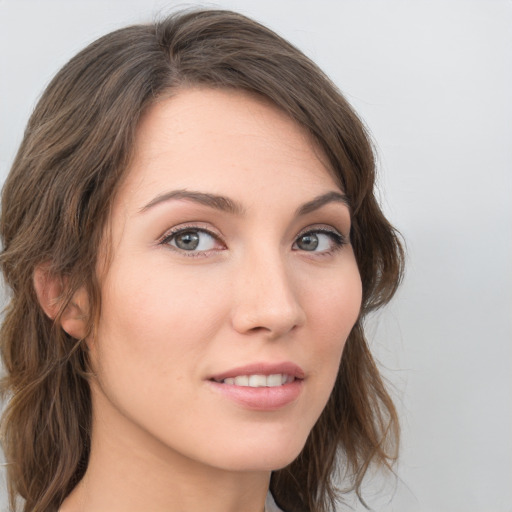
{"points": [[163, 439]]}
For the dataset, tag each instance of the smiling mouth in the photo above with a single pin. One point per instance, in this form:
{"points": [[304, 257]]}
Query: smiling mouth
{"points": [[261, 386], [258, 381]]}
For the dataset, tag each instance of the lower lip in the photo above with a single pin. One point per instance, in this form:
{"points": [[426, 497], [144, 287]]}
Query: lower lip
{"points": [[260, 399]]}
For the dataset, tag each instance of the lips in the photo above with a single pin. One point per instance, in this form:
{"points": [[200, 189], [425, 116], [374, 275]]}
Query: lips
{"points": [[259, 381], [260, 386], [265, 369]]}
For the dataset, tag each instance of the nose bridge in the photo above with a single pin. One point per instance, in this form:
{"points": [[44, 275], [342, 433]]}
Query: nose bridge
{"points": [[266, 299]]}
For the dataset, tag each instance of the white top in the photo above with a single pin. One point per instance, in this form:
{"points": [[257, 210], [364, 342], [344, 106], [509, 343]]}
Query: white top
{"points": [[270, 504]]}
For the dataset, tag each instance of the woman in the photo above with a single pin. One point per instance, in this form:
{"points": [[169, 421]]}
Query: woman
{"points": [[192, 243]]}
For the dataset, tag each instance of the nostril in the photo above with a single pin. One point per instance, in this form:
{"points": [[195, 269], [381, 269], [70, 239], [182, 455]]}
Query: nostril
{"points": [[265, 299]]}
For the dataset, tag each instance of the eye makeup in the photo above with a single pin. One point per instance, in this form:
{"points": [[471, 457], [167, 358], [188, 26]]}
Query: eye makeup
{"points": [[195, 240], [327, 239], [192, 240]]}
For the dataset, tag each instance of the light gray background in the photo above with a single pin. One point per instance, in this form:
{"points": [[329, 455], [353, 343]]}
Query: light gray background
{"points": [[433, 81]]}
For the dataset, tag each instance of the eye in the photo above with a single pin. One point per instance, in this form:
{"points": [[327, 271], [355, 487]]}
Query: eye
{"points": [[192, 240], [320, 241]]}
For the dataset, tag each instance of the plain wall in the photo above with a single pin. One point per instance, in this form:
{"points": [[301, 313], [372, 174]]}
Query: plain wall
{"points": [[433, 81]]}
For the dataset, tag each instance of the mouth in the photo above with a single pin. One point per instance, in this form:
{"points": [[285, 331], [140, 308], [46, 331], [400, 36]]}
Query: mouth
{"points": [[260, 375], [261, 386], [258, 380]]}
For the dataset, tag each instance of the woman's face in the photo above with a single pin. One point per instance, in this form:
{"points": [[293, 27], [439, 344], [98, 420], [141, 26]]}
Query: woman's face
{"points": [[232, 287]]}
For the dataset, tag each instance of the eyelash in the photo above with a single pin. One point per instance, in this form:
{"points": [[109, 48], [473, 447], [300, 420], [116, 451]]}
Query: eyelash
{"points": [[170, 235], [338, 240]]}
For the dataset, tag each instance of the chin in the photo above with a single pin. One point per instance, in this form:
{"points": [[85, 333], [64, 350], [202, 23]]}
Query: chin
{"points": [[268, 455]]}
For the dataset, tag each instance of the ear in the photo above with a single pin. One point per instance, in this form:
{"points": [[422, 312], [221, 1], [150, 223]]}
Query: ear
{"points": [[50, 290]]}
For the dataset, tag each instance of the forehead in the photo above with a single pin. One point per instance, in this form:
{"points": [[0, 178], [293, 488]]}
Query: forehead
{"points": [[218, 139]]}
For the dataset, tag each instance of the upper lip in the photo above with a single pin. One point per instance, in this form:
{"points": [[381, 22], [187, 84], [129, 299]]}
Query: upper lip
{"points": [[287, 368]]}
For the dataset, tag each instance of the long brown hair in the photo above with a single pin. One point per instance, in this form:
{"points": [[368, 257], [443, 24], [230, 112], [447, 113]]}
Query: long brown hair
{"points": [[56, 204]]}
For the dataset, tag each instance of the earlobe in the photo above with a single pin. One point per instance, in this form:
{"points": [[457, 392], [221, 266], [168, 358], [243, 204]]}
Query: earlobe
{"points": [[50, 291]]}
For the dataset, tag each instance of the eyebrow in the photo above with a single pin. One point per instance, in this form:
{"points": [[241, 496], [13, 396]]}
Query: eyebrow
{"points": [[322, 200], [212, 200], [226, 204]]}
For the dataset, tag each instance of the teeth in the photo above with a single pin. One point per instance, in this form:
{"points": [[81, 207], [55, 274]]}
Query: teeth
{"points": [[259, 381], [242, 380], [274, 380]]}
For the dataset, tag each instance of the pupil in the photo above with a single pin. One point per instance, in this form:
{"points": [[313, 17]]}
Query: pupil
{"points": [[187, 241], [308, 242]]}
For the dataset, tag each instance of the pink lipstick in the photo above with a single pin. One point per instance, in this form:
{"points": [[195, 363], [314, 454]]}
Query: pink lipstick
{"points": [[260, 386]]}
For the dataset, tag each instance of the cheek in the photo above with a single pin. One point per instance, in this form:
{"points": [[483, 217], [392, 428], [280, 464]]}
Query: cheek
{"points": [[332, 315], [156, 322], [152, 332], [334, 303], [160, 297]]}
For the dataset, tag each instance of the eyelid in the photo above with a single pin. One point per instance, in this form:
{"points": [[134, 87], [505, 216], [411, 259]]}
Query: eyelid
{"points": [[198, 225], [193, 226], [338, 238], [322, 228]]}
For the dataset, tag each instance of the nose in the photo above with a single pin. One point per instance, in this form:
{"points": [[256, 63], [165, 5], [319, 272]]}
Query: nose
{"points": [[265, 299]]}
